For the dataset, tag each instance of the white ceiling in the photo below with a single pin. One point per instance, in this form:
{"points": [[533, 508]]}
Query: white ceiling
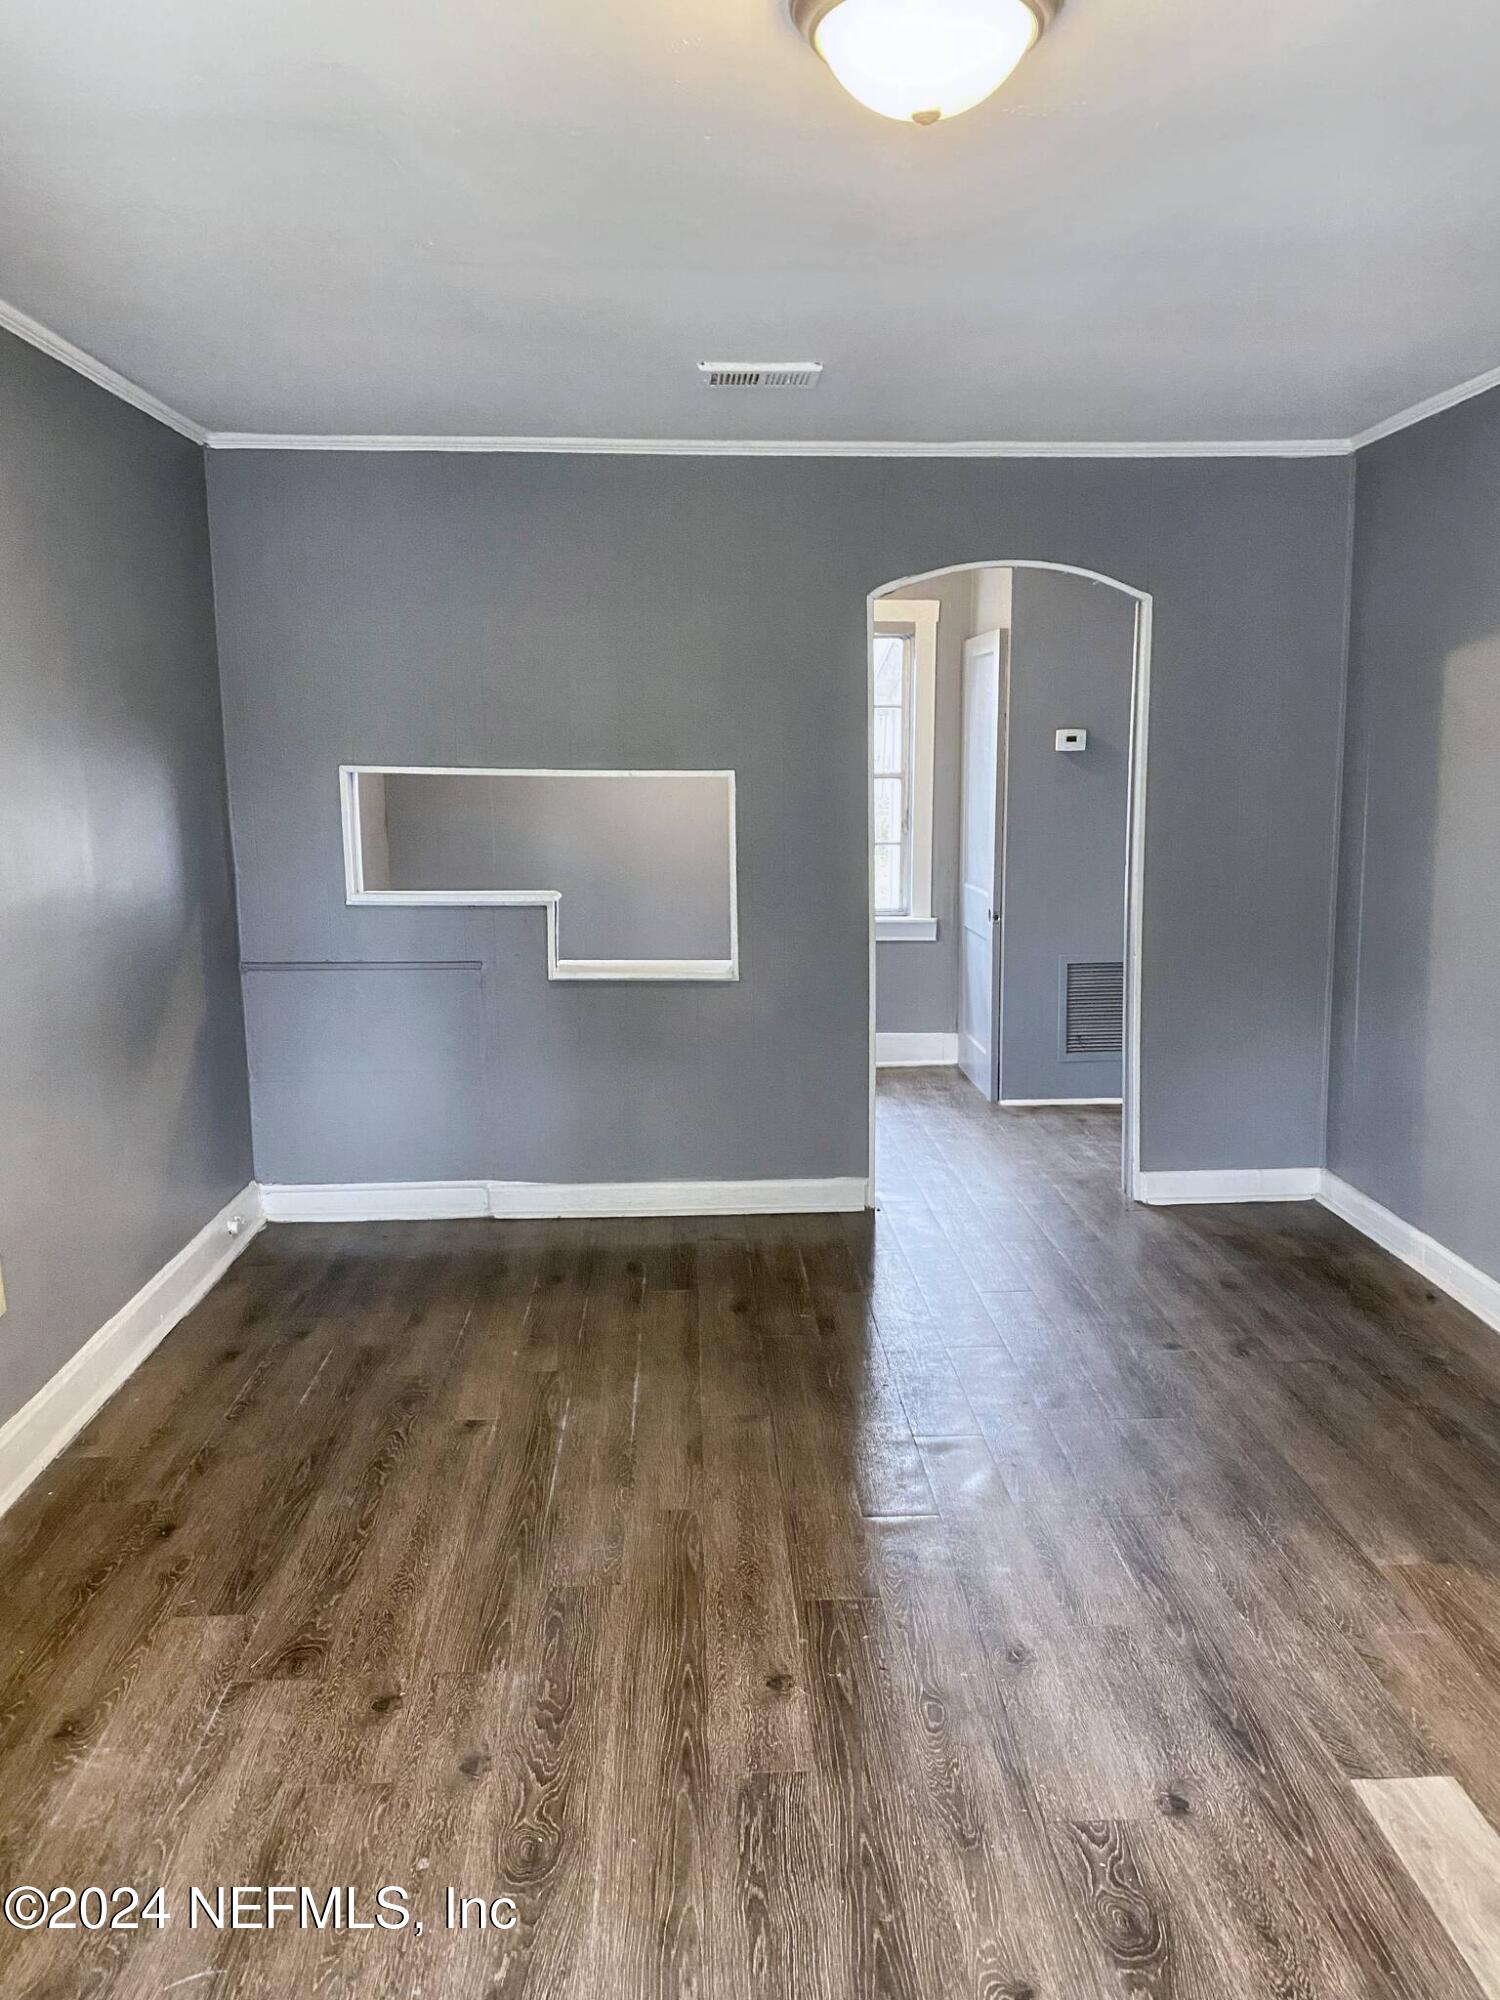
{"points": [[1181, 219]]}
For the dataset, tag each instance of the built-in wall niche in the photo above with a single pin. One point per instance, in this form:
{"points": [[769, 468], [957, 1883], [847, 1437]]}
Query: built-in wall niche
{"points": [[635, 869]]}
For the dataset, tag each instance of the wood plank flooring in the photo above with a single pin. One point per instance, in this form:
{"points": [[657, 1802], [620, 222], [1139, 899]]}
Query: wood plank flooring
{"points": [[1453, 1852], [1003, 1597]]}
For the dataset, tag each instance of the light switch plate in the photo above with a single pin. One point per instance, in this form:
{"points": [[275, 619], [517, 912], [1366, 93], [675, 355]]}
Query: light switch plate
{"points": [[1072, 739]]}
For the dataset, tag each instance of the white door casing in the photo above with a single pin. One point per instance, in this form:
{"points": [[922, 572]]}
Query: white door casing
{"points": [[980, 873]]}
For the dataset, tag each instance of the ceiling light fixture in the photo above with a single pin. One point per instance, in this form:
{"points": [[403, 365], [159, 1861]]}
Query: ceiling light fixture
{"points": [[922, 60]]}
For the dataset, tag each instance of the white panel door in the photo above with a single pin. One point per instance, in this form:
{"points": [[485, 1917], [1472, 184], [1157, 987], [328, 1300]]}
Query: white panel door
{"points": [[979, 864]]}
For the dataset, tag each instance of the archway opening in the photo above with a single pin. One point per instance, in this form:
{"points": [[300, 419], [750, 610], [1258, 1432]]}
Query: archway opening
{"points": [[913, 809]]}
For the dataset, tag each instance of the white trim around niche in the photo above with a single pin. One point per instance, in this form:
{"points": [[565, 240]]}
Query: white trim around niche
{"points": [[697, 971]]}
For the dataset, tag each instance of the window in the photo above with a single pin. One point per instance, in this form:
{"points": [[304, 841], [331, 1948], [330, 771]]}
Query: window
{"points": [[895, 657], [903, 681]]}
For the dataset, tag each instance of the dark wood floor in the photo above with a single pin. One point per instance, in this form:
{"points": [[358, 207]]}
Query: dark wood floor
{"points": [[1001, 1599]]}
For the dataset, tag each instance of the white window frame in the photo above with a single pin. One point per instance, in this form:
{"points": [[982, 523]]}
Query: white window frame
{"points": [[918, 616]]}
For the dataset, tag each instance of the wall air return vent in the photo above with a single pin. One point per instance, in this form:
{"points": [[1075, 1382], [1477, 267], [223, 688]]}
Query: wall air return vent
{"points": [[760, 374], [1093, 1009]]}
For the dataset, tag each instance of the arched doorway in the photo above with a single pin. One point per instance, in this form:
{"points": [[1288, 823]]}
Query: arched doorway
{"points": [[1140, 700]]}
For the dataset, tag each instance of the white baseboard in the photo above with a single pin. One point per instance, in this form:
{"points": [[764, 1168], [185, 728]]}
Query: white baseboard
{"points": [[1058, 1103], [375, 1201], [406, 1201], [60, 1408], [1451, 1273], [1230, 1184], [606, 1198], [913, 1051]]}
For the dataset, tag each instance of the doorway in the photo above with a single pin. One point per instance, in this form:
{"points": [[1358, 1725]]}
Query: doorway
{"points": [[1059, 999]]}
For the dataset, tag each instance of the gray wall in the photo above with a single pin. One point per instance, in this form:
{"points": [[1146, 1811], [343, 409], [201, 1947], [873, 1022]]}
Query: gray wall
{"points": [[1414, 1105], [916, 982], [711, 612], [1072, 651], [124, 1124]]}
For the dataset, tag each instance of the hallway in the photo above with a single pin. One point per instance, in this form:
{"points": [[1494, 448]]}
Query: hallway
{"points": [[998, 1597]]}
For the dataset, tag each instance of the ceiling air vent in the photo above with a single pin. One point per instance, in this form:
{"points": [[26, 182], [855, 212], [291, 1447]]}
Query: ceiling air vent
{"points": [[760, 374], [1093, 1007]]}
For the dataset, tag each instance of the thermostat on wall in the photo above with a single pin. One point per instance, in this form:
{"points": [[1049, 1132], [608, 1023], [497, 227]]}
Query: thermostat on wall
{"points": [[1072, 739]]}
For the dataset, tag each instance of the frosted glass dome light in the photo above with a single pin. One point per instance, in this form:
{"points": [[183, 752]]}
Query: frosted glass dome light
{"points": [[921, 60]]}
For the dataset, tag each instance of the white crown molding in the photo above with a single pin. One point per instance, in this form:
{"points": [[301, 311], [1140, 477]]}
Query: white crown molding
{"points": [[62, 1406], [35, 334], [24, 327], [611, 447], [1430, 406], [409, 1201], [1444, 1268], [1415, 413]]}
